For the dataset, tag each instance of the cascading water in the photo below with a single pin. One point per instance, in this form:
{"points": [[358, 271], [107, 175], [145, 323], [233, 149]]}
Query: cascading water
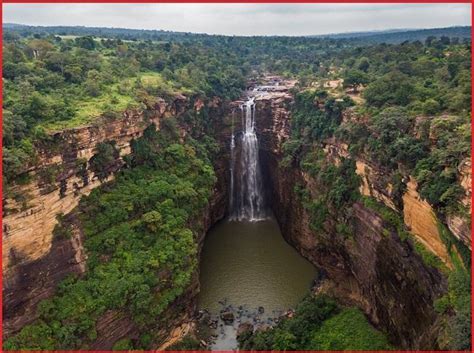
{"points": [[247, 199], [232, 167]]}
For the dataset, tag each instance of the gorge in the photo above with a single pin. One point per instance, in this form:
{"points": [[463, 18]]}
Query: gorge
{"points": [[369, 272], [241, 271], [224, 209]]}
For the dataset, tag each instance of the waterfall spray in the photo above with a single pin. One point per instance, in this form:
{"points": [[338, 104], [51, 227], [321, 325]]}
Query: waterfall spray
{"points": [[232, 166]]}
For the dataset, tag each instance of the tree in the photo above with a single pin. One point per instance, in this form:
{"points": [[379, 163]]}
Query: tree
{"points": [[431, 107], [56, 61], [93, 83], [103, 161], [85, 42], [363, 64], [355, 78], [153, 220], [39, 48], [392, 88]]}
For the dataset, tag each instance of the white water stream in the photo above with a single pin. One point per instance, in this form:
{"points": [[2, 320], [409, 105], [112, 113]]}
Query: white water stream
{"points": [[246, 197]]}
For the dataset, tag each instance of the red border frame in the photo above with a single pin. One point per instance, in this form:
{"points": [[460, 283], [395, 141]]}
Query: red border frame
{"points": [[235, 2]]}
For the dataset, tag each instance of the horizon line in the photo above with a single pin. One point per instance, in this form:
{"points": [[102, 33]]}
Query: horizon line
{"points": [[375, 31]]}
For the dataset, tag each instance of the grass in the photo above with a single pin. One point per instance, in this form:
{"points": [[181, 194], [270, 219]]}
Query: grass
{"points": [[114, 99], [111, 100], [154, 81]]}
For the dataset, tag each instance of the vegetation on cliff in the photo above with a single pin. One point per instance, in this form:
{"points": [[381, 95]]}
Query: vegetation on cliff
{"points": [[140, 240], [52, 83], [416, 121], [456, 304], [318, 324], [407, 122]]}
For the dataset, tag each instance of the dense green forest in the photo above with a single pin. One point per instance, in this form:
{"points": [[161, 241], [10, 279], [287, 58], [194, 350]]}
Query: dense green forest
{"points": [[395, 36], [411, 105]]}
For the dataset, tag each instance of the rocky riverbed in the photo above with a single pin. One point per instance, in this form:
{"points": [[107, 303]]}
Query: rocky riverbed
{"points": [[222, 330]]}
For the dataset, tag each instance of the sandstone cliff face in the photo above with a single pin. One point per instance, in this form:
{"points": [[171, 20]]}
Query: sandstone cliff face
{"points": [[419, 216], [27, 227], [34, 261], [371, 269], [28, 224], [30, 283], [458, 225]]}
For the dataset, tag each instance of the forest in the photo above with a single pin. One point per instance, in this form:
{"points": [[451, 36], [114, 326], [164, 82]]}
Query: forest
{"points": [[53, 81], [410, 93]]}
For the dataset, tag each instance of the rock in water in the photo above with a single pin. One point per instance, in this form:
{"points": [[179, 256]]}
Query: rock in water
{"points": [[244, 329], [204, 317], [227, 317]]}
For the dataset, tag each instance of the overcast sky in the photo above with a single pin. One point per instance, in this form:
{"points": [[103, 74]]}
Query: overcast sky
{"points": [[244, 19]]}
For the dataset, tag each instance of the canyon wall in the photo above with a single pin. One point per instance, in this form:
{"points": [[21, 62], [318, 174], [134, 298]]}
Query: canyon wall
{"points": [[35, 261], [61, 176], [373, 268]]}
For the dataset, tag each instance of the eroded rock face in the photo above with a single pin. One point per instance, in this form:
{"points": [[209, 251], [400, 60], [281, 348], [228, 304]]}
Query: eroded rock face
{"points": [[30, 283], [375, 183], [419, 216], [372, 268], [458, 225], [34, 261], [27, 227]]}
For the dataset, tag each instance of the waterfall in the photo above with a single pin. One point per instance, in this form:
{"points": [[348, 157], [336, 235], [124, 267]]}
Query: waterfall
{"points": [[232, 166], [247, 199]]}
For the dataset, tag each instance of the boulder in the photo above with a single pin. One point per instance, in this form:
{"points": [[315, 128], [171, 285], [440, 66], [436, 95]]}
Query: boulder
{"points": [[227, 317], [204, 317], [244, 329]]}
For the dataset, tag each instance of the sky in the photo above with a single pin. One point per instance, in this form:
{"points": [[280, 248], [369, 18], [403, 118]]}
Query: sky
{"points": [[243, 19]]}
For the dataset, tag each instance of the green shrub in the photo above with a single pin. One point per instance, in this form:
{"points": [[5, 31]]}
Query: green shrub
{"points": [[102, 162], [124, 344], [348, 330], [318, 324]]}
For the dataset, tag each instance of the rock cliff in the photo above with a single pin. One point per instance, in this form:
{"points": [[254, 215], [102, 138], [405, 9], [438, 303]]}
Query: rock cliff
{"points": [[373, 269], [35, 261]]}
